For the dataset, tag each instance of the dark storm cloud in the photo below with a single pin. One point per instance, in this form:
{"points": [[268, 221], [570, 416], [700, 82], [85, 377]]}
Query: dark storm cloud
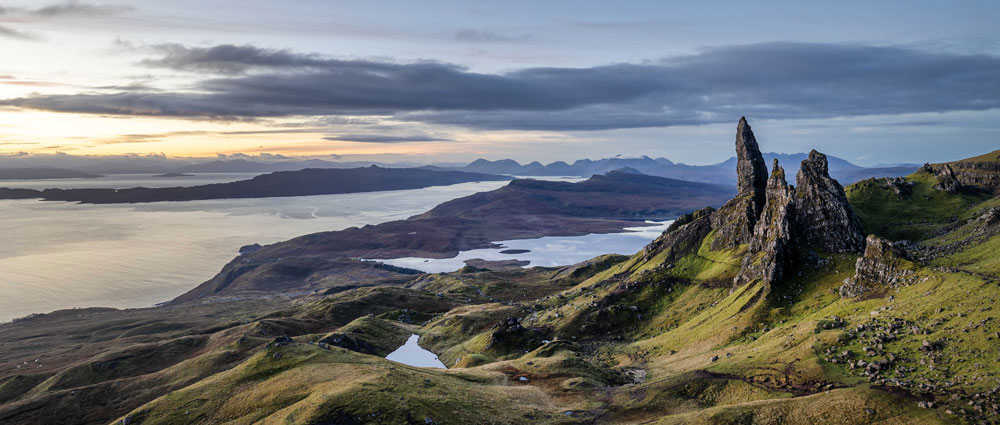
{"points": [[773, 80], [379, 138], [228, 58]]}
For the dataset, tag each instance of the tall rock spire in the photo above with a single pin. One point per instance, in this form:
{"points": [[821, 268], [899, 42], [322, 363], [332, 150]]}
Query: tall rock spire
{"points": [[735, 221], [751, 173]]}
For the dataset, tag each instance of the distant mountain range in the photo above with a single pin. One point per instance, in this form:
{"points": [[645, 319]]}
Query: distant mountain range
{"points": [[721, 173], [43, 173], [245, 166]]}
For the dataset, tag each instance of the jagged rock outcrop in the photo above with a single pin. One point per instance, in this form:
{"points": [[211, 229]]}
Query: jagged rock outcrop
{"points": [[898, 185], [509, 335], [882, 267], [349, 342], [945, 176], [735, 221], [990, 218], [689, 217], [683, 237], [779, 224], [822, 211], [771, 252]]}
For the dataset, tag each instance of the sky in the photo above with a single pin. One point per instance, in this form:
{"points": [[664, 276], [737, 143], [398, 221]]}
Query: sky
{"points": [[448, 81]]}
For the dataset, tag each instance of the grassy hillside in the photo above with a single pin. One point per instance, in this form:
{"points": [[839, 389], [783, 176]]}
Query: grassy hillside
{"points": [[659, 337]]}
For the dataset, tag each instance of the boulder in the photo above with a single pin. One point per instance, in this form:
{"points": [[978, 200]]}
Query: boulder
{"points": [[281, 340], [882, 267], [350, 343]]}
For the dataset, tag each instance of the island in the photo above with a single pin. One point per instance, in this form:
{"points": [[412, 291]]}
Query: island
{"points": [[523, 209], [172, 175], [311, 181]]}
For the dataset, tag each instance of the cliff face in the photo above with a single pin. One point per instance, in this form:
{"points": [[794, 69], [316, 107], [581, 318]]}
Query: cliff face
{"points": [[822, 211], [735, 221], [978, 173], [751, 173]]}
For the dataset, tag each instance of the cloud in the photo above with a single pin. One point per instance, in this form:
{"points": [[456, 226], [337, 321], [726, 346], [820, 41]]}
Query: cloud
{"points": [[67, 8], [770, 80], [16, 81], [133, 138], [229, 59], [617, 25], [482, 36], [8, 32], [70, 8], [380, 138], [262, 155], [75, 8]]}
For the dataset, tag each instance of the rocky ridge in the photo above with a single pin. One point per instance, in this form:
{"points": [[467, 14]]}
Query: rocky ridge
{"points": [[979, 173]]}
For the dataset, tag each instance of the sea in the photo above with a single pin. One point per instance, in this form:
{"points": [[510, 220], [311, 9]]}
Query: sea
{"points": [[59, 255]]}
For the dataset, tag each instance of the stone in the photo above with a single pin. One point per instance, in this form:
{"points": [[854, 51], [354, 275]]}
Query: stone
{"points": [[947, 181], [978, 174], [771, 253], [348, 342], [883, 266], [281, 340], [825, 218], [734, 222], [751, 171], [681, 239], [510, 335], [991, 217]]}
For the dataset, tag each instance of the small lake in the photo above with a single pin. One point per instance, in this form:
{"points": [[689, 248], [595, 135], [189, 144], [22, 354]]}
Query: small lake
{"points": [[414, 355], [547, 251]]}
